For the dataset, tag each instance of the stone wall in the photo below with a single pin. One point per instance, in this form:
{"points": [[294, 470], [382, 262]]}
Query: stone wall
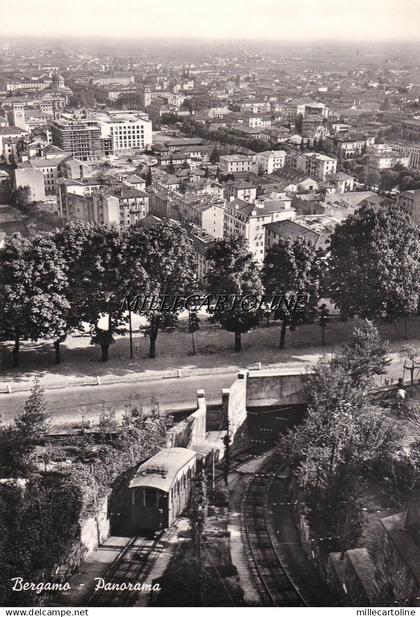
{"points": [[352, 578], [397, 560]]}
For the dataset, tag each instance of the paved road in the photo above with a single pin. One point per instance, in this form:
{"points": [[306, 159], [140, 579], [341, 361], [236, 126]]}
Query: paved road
{"points": [[65, 404]]}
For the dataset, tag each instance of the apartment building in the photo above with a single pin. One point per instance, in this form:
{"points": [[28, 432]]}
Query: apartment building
{"points": [[256, 107], [241, 190], [119, 206], [235, 163], [202, 242], [412, 150], [249, 220], [410, 129], [387, 160], [277, 230], [69, 190], [269, 161], [74, 169], [27, 85], [294, 108], [315, 164], [410, 201], [49, 167], [348, 147], [204, 211]]}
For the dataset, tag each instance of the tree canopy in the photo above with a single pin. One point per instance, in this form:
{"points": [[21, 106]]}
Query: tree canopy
{"points": [[233, 272], [374, 263], [293, 268]]}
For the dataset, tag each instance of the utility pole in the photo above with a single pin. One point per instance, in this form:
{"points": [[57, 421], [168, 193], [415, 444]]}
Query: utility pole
{"points": [[226, 466], [345, 530], [130, 327], [213, 473]]}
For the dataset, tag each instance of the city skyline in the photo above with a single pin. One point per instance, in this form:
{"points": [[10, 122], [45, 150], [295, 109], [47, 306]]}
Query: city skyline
{"points": [[269, 20]]}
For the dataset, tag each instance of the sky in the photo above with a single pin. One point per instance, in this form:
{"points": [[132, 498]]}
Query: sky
{"points": [[276, 20]]}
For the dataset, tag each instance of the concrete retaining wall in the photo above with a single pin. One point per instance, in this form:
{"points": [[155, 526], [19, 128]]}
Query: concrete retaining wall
{"points": [[266, 389], [234, 403], [192, 430]]}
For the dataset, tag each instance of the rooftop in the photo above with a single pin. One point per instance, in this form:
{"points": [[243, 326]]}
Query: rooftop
{"points": [[352, 198], [134, 179], [235, 157], [161, 470], [290, 229], [11, 130], [44, 162]]}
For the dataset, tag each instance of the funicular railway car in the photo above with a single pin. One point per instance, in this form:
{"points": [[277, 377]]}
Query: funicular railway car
{"points": [[161, 488]]}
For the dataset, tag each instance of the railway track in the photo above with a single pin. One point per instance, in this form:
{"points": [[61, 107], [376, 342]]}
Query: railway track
{"points": [[274, 582], [131, 566]]}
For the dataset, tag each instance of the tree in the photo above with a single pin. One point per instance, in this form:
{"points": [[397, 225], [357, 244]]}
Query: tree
{"points": [[374, 268], [40, 523], [389, 179], [341, 440], [171, 168], [233, 273], [386, 104], [149, 177], [406, 182], [29, 430], [169, 118], [361, 173], [214, 156], [101, 272], [366, 354], [324, 314], [373, 178], [50, 306], [15, 280], [292, 268], [167, 255], [33, 284], [32, 423], [22, 197]]}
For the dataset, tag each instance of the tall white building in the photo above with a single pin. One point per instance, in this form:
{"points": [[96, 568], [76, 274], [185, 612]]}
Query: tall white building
{"points": [[127, 131]]}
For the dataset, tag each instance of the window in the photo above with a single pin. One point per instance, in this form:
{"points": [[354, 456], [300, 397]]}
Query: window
{"points": [[139, 496]]}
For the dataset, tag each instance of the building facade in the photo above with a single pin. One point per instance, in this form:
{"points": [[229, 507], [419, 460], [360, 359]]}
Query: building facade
{"points": [[82, 140]]}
